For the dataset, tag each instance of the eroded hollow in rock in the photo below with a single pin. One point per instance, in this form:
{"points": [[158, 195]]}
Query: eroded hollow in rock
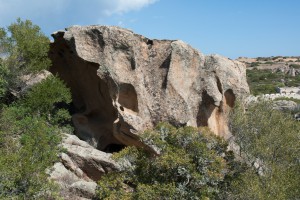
{"points": [[211, 115], [128, 97], [230, 98], [94, 111], [205, 110]]}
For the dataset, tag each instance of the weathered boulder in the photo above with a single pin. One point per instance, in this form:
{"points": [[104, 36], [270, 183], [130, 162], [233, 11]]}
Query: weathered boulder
{"points": [[285, 105], [80, 167], [62, 175], [23, 85], [84, 160], [292, 72], [84, 189], [123, 83]]}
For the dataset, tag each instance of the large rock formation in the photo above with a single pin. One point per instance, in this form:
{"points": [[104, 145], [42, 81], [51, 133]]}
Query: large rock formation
{"points": [[123, 83]]}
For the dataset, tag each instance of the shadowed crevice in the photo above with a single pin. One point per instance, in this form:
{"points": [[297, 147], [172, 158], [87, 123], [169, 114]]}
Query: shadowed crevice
{"points": [[93, 110], [128, 97], [230, 98], [219, 85], [205, 109], [166, 65]]}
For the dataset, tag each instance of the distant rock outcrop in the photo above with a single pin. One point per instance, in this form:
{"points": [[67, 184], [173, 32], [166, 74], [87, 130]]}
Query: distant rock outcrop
{"points": [[123, 83], [285, 105]]}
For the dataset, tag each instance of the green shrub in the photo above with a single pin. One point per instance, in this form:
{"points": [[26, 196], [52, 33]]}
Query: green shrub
{"points": [[269, 143], [30, 126], [28, 146], [44, 97], [30, 45], [296, 66], [266, 81], [191, 165], [24, 50], [254, 64], [3, 80], [269, 63], [29, 141]]}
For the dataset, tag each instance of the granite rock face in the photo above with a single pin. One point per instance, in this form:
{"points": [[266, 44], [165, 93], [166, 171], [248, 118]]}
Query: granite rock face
{"points": [[84, 160], [123, 83], [80, 167]]}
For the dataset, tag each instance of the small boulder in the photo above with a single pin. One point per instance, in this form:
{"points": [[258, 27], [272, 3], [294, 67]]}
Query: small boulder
{"points": [[84, 189], [285, 105], [92, 162]]}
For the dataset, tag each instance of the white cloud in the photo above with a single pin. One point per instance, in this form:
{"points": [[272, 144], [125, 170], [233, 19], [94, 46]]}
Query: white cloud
{"points": [[123, 6], [52, 15], [31, 9]]}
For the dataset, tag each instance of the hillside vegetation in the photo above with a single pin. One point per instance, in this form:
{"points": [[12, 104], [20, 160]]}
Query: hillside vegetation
{"points": [[194, 164], [265, 81], [189, 163], [264, 74], [29, 123]]}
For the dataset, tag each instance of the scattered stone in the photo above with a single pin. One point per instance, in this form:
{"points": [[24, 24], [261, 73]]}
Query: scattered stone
{"points": [[292, 72], [30, 80], [297, 116]]}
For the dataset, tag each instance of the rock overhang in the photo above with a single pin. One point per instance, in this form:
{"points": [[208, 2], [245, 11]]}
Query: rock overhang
{"points": [[123, 83]]}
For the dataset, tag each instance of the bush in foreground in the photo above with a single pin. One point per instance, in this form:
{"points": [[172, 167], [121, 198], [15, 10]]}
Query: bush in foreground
{"points": [[29, 141], [269, 142], [191, 165]]}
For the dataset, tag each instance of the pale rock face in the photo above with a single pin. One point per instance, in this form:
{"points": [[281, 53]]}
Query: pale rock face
{"points": [[123, 83], [28, 81], [80, 167], [85, 189], [84, 160]]}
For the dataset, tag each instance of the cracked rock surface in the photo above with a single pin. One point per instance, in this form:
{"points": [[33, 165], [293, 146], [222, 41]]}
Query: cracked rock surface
{"points": [[80, 167]]}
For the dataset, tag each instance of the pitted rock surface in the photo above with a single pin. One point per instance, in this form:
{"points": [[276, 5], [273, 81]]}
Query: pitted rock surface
{"points": [[123, 83]]}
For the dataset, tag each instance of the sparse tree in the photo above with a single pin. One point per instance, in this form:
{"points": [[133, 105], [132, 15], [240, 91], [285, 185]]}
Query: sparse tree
{"points": [[23, 50]]}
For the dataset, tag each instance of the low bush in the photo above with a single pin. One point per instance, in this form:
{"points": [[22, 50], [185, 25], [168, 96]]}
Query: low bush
{"points": [[44, 98], [29, 141], [191, 164], [296, 66], [266, 81], [269, 142], [30, 126], [28, 146]]}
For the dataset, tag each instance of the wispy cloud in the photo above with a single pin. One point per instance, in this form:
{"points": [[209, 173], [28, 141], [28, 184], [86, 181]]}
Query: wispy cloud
{"points": [[123, 6], [10, 10], [66, 9]]}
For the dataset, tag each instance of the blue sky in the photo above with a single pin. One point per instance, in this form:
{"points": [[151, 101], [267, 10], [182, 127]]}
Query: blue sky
{"points": [[231, 28]]}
